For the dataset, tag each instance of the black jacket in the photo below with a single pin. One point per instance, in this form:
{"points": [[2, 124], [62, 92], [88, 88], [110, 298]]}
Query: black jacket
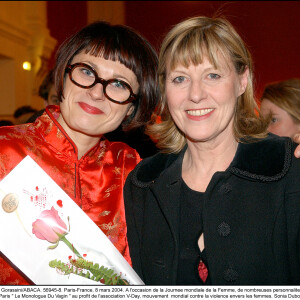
{"points": [[251, 217]]}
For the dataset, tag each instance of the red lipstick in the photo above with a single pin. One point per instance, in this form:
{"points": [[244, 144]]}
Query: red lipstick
{"points": [[90, 109]]}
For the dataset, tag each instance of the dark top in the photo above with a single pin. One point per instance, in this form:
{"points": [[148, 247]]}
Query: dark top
{"points": [[136, 139], [191, 207], [251, 216], [35, 116]]}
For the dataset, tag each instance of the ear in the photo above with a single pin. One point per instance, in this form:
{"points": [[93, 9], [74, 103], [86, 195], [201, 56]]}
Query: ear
{"points": [[243, 81], [130, 110]]}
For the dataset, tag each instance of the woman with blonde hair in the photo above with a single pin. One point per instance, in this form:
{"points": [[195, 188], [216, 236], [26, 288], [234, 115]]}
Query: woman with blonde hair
{"points": [[281, 101], [220, 204]]}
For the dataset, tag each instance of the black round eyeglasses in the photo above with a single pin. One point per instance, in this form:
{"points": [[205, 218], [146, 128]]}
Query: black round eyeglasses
{"points": [[116, 90]]}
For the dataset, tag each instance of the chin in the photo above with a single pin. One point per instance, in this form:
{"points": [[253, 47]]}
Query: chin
{"points": [[86, 129], [198, 136], [92, 133], [198, 139]]}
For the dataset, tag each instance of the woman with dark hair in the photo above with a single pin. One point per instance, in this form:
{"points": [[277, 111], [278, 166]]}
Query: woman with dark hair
{"points": [[105, 75]]}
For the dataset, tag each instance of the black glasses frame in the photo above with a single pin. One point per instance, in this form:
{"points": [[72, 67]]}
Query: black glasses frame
{"points": [[70, 68]]}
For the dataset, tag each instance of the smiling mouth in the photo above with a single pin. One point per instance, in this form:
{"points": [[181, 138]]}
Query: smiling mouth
{"points": [[90, 109], [199, 112]]}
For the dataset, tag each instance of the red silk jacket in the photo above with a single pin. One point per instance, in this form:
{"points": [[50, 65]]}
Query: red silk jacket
{"points": [[95, 181]]}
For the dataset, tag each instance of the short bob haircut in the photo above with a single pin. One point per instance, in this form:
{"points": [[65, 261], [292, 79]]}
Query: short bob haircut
{"points": [[187, 43], [117, 43], [286, 95]]}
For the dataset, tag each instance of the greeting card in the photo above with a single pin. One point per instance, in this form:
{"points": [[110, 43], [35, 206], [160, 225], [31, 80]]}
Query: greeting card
{"points": [[49, 238]]}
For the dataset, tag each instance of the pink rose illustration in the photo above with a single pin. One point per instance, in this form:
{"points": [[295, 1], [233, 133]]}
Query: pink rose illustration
{"points": [[49, 226]]}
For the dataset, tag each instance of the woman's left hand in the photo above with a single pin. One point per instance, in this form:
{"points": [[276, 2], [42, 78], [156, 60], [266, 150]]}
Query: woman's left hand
{"points": [[296, 139]]}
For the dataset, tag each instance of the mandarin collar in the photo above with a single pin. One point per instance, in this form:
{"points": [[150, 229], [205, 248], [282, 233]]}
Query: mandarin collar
{"points": [[53, 133]]}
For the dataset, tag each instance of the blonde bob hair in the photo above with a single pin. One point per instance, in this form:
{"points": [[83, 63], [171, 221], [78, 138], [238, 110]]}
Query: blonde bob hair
{"points": [[187, 43], [286, 95]]}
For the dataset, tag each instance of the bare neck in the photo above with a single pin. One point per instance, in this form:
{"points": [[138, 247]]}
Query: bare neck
{"points": [[202, 160], [82, 141]]}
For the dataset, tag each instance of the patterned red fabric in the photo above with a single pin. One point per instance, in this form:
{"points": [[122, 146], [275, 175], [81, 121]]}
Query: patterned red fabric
{"points": [[95, 181], [203, 272]]}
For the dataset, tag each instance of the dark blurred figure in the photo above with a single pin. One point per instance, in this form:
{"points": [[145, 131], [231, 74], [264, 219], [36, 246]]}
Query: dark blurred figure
{"points": [[136, 139], [23, 113], [47, 91], [6, 123]]}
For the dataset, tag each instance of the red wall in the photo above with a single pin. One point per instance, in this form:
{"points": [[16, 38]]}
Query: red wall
{"points": [[271, 29], [64, 19]]}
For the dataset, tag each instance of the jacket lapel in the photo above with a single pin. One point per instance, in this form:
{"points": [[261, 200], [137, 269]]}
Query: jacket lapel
{"points": [[167, 190]]}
